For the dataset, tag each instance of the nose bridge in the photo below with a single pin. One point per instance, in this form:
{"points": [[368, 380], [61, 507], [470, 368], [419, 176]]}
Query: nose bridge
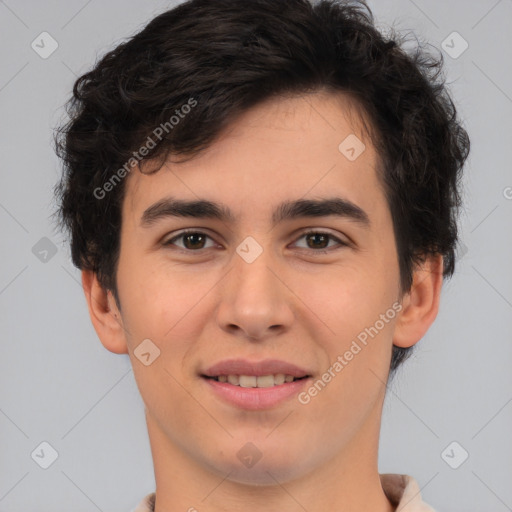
{"points": [[254, 282]]}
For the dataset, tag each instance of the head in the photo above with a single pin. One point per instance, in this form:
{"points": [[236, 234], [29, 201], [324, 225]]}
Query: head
{"points": [[252, 105]]}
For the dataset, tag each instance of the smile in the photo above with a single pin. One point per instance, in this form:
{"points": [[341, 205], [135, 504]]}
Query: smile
{"points": [[257, 381], [249, 393]]}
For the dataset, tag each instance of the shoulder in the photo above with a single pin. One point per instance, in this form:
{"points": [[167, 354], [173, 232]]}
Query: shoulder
{"points": [[146, 505], [404, 492]]}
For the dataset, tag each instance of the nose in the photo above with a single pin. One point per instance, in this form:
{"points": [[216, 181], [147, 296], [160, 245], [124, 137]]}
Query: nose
{"points": [[255, 302]]}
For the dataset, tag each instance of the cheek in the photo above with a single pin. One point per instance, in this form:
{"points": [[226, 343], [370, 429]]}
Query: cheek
{"points": [[352, 308], [150, 294], [346, 298], [167, 306], [162, 310]]}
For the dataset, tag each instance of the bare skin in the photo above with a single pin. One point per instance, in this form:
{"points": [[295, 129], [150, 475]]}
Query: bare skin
{"points": [[303, 300]]}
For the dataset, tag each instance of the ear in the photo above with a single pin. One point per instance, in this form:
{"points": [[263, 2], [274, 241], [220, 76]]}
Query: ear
{"points": [[421, 303], [105, 316]]}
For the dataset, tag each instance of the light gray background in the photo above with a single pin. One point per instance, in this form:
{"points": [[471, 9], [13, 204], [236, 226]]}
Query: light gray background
{"points": [[57, 382]]}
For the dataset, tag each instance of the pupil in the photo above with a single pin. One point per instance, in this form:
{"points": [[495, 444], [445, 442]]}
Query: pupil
{"points": [[192, 236], [318, 235]]}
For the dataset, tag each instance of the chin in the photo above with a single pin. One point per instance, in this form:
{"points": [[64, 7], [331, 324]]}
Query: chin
{"points": [[262, 463], [267, 473]]}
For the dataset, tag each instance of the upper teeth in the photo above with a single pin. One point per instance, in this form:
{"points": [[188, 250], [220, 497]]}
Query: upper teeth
{"points": [[253, 381]]}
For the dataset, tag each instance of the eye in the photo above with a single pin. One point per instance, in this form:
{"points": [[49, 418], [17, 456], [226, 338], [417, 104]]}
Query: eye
{"points": [[192, 240], [196, 240], [319, 240]]}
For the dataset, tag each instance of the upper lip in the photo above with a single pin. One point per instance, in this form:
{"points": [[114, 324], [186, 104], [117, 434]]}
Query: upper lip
{"points": [[257, 368]]}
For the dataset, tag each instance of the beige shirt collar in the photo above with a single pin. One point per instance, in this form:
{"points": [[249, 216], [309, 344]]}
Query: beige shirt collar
{"points": [[402, 490]]}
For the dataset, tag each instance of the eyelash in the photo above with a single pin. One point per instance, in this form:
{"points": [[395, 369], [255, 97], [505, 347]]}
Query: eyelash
{"points": [[341, 243]]}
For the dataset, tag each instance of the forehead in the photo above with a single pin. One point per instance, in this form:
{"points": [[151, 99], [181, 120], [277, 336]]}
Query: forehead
{"points": [[286, 147]]}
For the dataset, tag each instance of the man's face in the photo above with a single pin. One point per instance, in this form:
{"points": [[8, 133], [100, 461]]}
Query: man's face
{"points": [[248, 289]]}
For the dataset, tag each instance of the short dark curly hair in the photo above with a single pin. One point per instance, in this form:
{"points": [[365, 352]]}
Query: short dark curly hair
{"points": [[224, 56]]}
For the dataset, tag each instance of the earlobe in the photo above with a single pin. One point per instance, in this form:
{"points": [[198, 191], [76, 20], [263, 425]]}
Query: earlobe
{"points": [[105, 316], [421, 303]]}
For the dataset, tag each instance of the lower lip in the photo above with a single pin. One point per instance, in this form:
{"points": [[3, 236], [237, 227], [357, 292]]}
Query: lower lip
{"points": [[256, 398]]}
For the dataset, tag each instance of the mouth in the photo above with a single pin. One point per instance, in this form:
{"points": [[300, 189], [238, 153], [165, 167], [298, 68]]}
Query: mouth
{"points": [[256, 381], [255, 385]]}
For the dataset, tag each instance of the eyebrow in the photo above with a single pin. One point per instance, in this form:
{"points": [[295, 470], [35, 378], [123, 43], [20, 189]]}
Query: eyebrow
{"points": [[288, 210]]}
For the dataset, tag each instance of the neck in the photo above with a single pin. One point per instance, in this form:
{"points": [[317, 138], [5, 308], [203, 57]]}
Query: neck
{"points": [[348, 481]]}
